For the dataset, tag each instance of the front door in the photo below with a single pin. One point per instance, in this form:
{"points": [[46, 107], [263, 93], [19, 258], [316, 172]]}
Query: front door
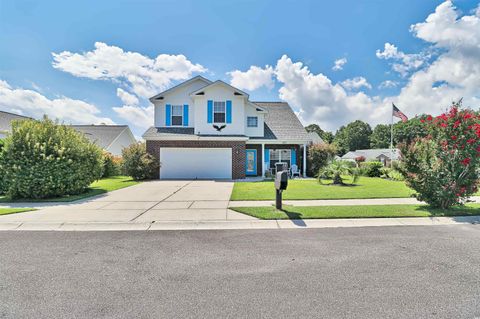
{"points": [[251, 162]]}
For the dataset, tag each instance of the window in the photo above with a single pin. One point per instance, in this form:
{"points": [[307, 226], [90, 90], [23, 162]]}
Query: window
{"points": [[252, 121], [219, 112], [177, 115], [280, 156]]}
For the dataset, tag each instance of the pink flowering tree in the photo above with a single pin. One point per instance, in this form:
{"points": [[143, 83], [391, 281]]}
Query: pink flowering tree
{"points": [[442, 167]]}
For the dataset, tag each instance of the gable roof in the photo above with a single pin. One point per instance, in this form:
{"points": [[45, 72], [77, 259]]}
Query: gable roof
{"points": [[281, 123], [219, 82], [373, 153], [6, 119], [198, 77], [102, 135], [315, 138]]}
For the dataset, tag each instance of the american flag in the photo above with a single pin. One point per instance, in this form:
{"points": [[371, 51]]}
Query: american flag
{"points": [[397, 113]]}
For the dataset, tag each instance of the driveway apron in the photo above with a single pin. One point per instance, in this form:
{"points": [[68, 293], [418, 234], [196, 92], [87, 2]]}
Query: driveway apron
{"points": [[146, 202]]}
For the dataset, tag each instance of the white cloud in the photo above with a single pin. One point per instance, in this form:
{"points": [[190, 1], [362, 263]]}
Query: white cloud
{"points": [[143, 75], [317, 99], [338, 64], [127, 98], [356, 83], [252, 79], [388, 84], [34, 104], [141, 117], [404, 62]]}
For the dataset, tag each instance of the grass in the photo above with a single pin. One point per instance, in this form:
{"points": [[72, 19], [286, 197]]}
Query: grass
{"points": [[8, 211], [367, 211], [366, 187], [101, 186]]}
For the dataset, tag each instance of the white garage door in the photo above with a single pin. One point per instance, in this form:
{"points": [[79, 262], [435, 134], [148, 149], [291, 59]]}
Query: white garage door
{"points": [[192, 163]]}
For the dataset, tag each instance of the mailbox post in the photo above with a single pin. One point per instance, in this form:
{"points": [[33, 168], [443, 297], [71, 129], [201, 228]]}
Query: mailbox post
{"points": [[281, 182]]}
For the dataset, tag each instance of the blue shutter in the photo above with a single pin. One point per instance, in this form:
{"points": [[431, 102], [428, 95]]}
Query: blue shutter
{"points": [[209, 111], [293, 157], [185, 115], [229, 111], [168, 112]]}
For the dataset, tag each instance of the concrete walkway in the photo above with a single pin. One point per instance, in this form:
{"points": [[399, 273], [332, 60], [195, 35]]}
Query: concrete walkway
{"points": [[237, 224], [334, 202]]}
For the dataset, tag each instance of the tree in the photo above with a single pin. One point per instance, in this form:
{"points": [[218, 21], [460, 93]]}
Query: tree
{"points": [[318, 157], [335, 170], [406, 132], [354, 136], [42, 159], [380, 137], [327, 137], [442, 166], [137, 163]]}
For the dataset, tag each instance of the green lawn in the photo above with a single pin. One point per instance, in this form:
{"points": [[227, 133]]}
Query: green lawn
{"points": [[7, 211], [370, 211], [366, 187], [99, 187]]}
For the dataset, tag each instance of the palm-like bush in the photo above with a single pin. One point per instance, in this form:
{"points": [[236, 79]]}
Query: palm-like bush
{"points": [[335, 170]]}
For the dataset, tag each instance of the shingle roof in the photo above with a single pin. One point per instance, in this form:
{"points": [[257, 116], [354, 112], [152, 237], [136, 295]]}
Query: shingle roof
{"points": [[168, 131], [373, 153], [6, 119], [102, 135], [281, 123], [315, 138]]}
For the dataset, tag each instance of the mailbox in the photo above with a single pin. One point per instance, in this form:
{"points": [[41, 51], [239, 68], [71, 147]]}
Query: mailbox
{"points": [[281, 182]]}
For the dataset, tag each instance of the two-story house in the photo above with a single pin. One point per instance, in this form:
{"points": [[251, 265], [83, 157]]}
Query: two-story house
{"points": [[211, 130]]}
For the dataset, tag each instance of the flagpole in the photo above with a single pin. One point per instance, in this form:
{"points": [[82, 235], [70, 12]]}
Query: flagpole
{"points": [[391, 140]]}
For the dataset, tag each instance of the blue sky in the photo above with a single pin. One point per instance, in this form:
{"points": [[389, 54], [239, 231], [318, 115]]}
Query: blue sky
{"points": [[218, 37]]}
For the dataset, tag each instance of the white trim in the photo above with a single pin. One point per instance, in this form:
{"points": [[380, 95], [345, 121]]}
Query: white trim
{"points": [[170, 90], [259, 141], [194, 138], [217, 82], [304, 160]]}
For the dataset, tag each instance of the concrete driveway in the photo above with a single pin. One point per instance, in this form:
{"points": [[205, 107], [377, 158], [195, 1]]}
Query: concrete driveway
{"points": [[145, 203]]}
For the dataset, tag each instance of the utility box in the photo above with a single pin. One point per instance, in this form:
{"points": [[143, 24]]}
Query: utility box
{"points": [[281, 183]]}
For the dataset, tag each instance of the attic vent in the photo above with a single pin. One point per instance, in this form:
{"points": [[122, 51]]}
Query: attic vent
{"points": [[200, 93], [159, 98], [259, 110], [236, 93]]}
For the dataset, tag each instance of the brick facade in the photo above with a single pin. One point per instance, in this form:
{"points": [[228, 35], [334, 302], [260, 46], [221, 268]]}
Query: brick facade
{"points": [[238, 151]]}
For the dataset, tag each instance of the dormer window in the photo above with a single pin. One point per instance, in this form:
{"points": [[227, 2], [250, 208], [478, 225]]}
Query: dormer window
{"points": [[219, 111], [177, 115]]}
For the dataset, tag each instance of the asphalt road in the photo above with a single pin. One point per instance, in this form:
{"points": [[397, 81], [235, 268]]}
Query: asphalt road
{"points": [[377, 272]]}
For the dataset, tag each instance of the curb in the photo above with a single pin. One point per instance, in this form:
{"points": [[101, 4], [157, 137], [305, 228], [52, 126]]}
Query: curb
{"points": [[242, 224]]}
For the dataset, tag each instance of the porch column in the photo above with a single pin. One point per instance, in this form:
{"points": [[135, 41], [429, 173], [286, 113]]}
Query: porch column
{"points": [[304, 160], [263, 160]]}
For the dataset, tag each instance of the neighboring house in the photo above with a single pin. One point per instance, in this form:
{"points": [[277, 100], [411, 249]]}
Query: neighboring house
{"points": [[315, 138], [112, 138], [205, 129], [384, 155], [6, 119]]}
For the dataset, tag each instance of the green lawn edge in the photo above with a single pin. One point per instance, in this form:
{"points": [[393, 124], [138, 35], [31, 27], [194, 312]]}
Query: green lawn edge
{"points": [[365, 188], [360, 211], [99, 187], [8, 211]]}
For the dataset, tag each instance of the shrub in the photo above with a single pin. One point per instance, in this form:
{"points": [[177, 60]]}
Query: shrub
{"points": [[371, 169], [336, 169], [442, 167], [319, 155], [2, 183], [41, 159], [112, 165], [137, 163]]}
